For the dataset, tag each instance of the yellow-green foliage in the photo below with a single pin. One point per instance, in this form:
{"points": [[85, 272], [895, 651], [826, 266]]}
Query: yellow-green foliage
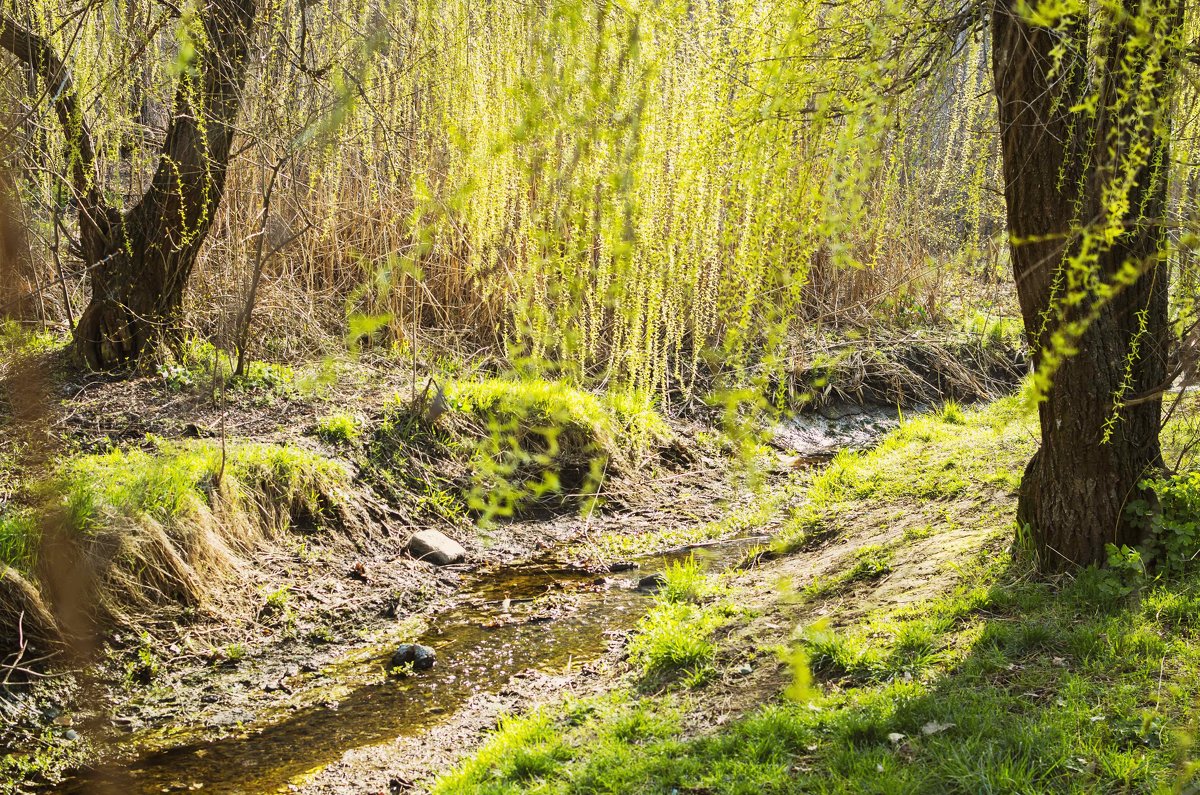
{"points": [[19, 538], [951, 453], [612, 421], [16, 339], [202, 364], [537, 428], [168, 523], [177, 480], [620, 191], [676, 634], [339, 428], [173, 523]]}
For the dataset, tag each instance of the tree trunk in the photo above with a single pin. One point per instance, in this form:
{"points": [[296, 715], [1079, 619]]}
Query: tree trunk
{"points": [[140, 261], [1101, 414]]}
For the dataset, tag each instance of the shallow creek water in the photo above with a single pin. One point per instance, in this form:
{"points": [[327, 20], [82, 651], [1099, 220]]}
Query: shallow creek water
{"points": [[539, 616]]}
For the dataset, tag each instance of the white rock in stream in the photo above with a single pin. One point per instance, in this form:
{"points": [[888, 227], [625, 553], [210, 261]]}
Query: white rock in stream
{"points": [[435, 548]]}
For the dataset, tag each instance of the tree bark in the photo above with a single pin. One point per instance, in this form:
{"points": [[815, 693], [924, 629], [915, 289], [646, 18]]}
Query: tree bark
{"points": [[1096, 444], [140, 260]]}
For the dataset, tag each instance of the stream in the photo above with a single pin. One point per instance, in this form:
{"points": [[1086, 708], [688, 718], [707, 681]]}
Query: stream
{"points": [[536, 616]]}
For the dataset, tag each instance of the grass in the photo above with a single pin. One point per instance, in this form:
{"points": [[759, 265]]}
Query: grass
{"points": [[675, 636], [1004, 684], [201, 365], [339, 429], [762, 508], [167, 524], [18, 340], [19, 539], [870, 563], [179, 479], [953, 453], [555, 410]]}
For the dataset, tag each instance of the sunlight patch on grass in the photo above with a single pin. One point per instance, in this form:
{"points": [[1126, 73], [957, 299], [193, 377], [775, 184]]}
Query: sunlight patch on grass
{"points": [[1005, 685], [950, 454]]}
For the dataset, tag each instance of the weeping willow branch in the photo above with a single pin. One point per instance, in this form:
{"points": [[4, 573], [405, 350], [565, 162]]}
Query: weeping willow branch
{"points": [[39, 57]]}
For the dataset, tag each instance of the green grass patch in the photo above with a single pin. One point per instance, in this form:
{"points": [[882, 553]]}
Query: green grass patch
{"points": [[17, 339], [1006, 685], [953, 453], [339, 428], [201, 365], [165, 525], [19, 539], [556, 410], [177, 479], [545, 438]]}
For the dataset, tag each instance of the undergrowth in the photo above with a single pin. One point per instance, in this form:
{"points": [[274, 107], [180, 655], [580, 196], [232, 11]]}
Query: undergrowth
{"points": [[674, 638], [167, 522], [1005, 683], [541, 438], [953, 453]]}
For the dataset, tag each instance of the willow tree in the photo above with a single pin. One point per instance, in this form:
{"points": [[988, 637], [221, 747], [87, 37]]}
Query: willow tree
{"points": [[140, 259], [1084, 96]]}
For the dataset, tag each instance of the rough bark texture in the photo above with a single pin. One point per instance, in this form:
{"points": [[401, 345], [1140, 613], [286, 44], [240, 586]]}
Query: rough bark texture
{"points": [[140, 261], [1056, 161]]}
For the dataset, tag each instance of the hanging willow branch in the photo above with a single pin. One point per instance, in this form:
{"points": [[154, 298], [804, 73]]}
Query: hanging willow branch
{"points": [[40, 58]]}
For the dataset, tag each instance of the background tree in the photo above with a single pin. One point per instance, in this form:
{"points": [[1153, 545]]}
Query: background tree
{"points": [[140, 260], [1084, 106]]}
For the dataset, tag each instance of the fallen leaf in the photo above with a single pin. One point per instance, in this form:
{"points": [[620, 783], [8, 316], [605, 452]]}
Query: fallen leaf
{"points": [[933, 727]]}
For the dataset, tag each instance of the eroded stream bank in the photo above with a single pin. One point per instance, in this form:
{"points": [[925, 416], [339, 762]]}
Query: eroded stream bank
{"points": [[540, 616]]}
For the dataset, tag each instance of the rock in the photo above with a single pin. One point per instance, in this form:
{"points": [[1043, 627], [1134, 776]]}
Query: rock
{"points": [[421, 658], [231, 717], [70, 735], [651, 583], [435, 548]]}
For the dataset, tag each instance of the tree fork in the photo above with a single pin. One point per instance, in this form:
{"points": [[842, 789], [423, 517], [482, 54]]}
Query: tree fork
{"points": [[140, 260]]}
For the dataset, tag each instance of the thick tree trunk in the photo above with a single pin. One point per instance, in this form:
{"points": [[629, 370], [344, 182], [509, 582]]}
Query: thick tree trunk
{"points": [[1097, 441], [143, 263], [140, 261]]}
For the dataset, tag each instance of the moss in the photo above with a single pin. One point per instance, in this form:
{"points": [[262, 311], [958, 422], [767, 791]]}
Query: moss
{"points": [[547, 438]]}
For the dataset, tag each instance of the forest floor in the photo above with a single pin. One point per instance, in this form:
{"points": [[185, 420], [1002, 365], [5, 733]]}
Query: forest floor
{"points": [[858, 641]]}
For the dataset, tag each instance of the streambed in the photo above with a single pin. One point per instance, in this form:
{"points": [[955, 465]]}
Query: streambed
{"points": [[541, 616]]}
